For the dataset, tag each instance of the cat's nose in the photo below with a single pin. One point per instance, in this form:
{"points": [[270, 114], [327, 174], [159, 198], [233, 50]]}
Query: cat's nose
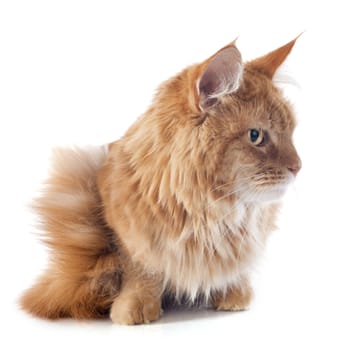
{"points": [[295, 168]]}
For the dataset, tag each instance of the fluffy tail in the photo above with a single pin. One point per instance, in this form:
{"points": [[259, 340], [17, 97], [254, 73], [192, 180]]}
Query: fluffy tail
{"points": [[83, 276]]}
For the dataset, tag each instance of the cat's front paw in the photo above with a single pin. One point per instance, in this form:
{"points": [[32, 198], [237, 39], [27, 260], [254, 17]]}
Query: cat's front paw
{"points": [[235, 299], [132, 310]]}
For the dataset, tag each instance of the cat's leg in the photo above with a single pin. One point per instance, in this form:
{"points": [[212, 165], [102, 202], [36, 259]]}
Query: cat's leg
{"points": [[235, 298], [139, 300]]}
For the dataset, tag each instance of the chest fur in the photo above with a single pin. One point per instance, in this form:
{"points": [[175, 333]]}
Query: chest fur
{"points": [[217, 254]]}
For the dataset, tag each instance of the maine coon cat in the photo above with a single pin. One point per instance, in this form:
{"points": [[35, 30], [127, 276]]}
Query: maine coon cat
{"points": [[180, 206]]}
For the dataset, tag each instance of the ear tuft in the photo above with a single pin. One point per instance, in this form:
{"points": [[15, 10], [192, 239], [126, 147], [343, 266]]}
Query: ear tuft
{"points": [[269, 63], [221, 76]]}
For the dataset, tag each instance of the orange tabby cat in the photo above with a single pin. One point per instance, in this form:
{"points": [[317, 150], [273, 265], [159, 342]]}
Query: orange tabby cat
{"points": [[181, 205]]}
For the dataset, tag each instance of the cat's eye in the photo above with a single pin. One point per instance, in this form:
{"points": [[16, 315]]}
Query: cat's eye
{"points": [[256, 136]]}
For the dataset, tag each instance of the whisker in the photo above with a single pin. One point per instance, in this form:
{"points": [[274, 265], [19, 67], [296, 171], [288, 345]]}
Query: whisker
{"points": [[223, 185], [231, 193], [248, 178]]}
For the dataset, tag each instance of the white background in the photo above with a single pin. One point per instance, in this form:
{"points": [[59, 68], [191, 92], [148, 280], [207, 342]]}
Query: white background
{"points": [[80, 72]]}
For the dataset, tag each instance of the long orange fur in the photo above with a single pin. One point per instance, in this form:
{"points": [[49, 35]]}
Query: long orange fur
{"points": [[180, 206]]}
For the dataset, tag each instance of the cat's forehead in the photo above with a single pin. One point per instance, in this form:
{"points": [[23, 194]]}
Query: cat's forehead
{"points": [[264, 103], [280, 115]]}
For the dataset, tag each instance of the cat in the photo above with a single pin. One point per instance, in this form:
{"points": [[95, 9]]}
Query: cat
{"points": [[180, 206]]}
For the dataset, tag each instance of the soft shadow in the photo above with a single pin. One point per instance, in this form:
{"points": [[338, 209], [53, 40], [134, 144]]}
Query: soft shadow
{"points": [[171, 315], [185, 314]]}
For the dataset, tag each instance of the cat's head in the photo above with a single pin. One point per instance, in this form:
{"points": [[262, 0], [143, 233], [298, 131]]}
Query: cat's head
{"points": [[218, 129], [233, 124]]}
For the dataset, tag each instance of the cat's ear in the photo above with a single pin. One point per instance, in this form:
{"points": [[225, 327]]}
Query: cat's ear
{"points": [[269, 63], [220, 76]]}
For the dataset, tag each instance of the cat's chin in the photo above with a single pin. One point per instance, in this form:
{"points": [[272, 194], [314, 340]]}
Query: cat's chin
{"points": [[271, 194], [274, 194]]}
